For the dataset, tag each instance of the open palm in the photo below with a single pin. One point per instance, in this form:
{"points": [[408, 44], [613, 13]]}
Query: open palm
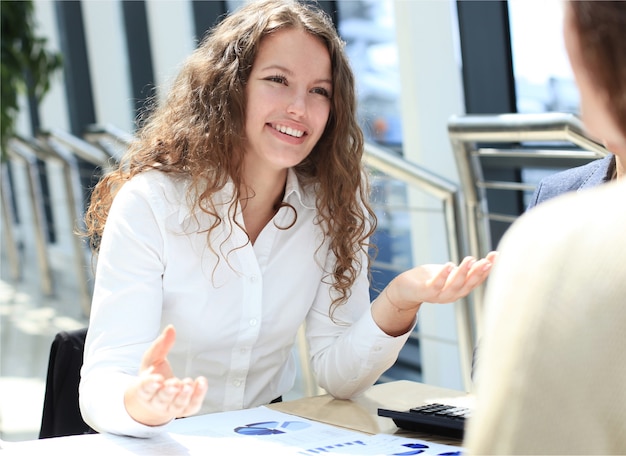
{"points": [[158, 396], [439, 283]]}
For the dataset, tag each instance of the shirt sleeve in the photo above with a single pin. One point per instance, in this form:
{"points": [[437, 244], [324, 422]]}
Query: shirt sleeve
{"points": [[349, 351], [126, 310]]}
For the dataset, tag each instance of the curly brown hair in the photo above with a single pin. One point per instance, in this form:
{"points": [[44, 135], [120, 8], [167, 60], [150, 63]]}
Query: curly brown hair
{"points": [[199, 131], [600, 27]]}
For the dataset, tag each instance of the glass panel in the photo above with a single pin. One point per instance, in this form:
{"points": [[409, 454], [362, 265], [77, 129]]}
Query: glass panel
{"points": [[234, 5], [543, 77], [368, 28], [389, 199], [544, 81]]}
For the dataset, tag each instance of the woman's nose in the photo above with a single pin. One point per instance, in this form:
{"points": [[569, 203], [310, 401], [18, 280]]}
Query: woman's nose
{"points": [[297, 104]]}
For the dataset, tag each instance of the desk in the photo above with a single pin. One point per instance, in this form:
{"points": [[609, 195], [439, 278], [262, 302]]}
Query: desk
{"points": [[360, 414], [194, 435]]}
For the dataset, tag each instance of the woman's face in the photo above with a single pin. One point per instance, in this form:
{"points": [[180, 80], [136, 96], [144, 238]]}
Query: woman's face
{"points": [[594, 102], [288, 100]]}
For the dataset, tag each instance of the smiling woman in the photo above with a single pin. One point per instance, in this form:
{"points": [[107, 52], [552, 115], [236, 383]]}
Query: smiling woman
{"points": [[288, 106], [239, 213]]}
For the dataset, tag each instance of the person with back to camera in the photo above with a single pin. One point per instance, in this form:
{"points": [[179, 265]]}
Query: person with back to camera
{"points": [[240, 212], [592, 174], [552, 374]]}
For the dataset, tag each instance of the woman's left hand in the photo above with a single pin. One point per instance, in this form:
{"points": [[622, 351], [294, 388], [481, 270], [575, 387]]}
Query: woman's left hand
{"points": [[395, 308], [437, 283]]}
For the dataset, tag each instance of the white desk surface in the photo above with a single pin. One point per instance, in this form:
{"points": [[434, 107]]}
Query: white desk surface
{"points": [[329, 417]]}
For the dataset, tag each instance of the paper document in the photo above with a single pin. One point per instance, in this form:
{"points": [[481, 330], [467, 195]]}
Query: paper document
{"points": [[254, 431]]}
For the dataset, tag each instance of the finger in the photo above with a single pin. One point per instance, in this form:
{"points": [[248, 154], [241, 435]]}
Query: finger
{"points": [[482, 267], [464, 269], [181, 400], [441, 277], [460, 272], [148, 387], [163, 400], [467, 263], [478, 273], [160, 347], [458, 277], [492, 256], [197, 396]]}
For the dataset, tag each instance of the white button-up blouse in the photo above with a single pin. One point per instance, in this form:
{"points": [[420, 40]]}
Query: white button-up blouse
{"points": [[236, 307]]}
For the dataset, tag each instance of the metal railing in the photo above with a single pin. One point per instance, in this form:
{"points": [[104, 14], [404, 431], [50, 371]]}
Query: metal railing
{"points": [[549, 140], [109, 138], [449, 194], [68, 149], [62, 148], [28, 154], [6, 197]]}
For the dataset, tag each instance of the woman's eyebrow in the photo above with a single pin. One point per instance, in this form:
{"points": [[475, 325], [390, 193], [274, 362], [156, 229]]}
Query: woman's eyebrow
{"points": [[288, 72], [277, 67], [324, 81]]}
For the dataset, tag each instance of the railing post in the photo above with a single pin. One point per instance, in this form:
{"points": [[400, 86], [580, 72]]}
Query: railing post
{"points": [[469, 133], [8, 224], [456, 236], [35, 198]]}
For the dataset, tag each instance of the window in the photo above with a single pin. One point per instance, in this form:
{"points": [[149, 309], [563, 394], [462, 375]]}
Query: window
{"points": [[543, 77], [367, 27]]}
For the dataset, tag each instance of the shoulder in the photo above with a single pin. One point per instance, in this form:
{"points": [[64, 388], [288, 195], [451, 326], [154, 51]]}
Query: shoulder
{"points": [[586, 176], [569, 250], [570, 238], [154, 183], [593, 173], [568, 214], [162, 192]]}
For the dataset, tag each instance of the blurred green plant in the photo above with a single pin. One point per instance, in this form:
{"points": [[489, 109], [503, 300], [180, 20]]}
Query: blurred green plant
{"points": [[27, 66]]}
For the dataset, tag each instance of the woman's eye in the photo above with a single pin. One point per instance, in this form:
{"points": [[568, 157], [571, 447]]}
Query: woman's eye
{"points": [[321, 91], [278, 79]]}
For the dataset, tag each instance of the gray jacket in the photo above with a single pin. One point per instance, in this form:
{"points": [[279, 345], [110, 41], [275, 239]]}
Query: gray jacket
{"points": [[590, 175]]}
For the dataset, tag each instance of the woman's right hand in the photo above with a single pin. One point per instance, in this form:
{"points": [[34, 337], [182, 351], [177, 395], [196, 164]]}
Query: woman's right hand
{"points": [[157, 397]]}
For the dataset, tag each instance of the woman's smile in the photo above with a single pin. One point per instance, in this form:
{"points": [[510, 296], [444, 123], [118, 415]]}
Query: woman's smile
{"points": [[288, 100]]}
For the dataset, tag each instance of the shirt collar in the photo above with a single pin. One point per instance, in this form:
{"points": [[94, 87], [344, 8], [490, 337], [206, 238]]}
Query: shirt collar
{"points": [[305, 195]]}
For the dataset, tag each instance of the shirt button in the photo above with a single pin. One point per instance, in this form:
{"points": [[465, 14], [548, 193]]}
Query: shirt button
{"points": [[237, 383], [253, 322], [253, 278]]}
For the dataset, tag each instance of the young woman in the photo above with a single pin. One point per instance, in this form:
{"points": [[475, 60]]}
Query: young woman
{"points": [[239, 213]]}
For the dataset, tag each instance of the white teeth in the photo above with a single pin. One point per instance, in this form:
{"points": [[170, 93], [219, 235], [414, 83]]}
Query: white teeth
{"points": [[289, 131]]}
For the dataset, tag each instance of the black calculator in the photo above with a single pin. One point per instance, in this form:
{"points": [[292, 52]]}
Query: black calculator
{"points": [[439, 419]]}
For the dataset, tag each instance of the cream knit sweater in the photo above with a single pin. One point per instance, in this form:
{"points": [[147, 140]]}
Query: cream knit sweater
{"points": [[552, 372]]}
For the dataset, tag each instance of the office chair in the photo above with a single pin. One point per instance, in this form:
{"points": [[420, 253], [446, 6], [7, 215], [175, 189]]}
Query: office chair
{"points": [[61, 413]]}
